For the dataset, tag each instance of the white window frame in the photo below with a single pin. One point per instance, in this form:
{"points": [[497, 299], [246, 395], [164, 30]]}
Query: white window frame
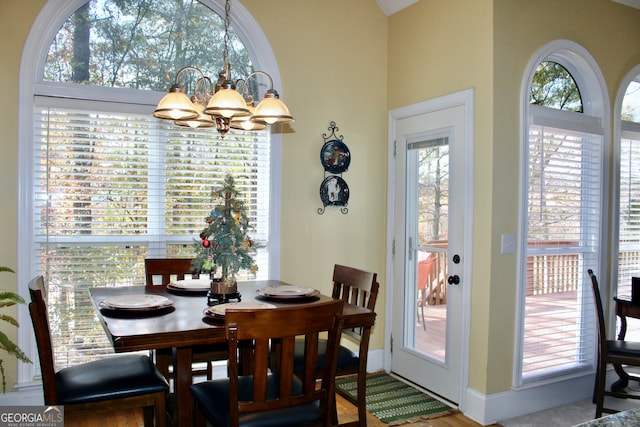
{"points": [[595, 119], [621, 129], [51, 17]]}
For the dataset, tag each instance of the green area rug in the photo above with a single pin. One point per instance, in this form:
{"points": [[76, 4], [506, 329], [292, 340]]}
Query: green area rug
{"points": [[394, 402]]}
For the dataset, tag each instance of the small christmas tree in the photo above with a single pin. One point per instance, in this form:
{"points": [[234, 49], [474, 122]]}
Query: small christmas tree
{"points": [[224, 240]]}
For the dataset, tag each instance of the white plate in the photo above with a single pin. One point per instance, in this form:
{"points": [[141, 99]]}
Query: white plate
{"points": [[136, 302], [220, 309], [286, 291], [192, 283]]}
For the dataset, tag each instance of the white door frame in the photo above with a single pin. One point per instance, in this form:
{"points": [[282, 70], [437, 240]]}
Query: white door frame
{"points": [[466, 99]]}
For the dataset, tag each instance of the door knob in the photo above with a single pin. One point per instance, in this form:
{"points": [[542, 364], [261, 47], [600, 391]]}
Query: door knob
{"points": [[454, 280]]}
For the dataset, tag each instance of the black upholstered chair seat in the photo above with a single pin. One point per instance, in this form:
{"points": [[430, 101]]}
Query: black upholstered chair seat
{"points": [[346, 358], [213, 397], [116, 377], [623, 348], [113, 384]]}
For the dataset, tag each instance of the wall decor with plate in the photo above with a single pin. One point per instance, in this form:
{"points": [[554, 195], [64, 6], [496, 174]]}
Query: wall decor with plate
{"points": [[335, 158]]}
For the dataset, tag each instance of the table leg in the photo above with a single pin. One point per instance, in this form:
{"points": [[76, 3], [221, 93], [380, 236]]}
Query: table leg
{"points": [[621, 383], [183, 380], [163, 358]]}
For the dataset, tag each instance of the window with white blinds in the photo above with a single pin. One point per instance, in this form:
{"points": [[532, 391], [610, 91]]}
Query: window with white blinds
{"points": [[112, 186], [629, 208], [628, 244], [563, 222]]}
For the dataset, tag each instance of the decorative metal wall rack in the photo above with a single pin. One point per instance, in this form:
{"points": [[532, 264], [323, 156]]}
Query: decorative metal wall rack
{"points": [[335, 158]]}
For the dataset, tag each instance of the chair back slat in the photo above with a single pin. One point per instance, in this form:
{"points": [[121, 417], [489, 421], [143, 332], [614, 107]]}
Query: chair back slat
{"points": [[165, 268], [40, 321], [357, 287], [281, 327]]}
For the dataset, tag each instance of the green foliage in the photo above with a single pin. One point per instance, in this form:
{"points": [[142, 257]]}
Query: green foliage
{"points": [[8, 299], [141, 44], [554, 87], [224, 242]]}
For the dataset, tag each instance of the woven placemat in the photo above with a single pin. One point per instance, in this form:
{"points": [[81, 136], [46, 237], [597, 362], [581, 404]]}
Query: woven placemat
{"points": [[394, 402]]}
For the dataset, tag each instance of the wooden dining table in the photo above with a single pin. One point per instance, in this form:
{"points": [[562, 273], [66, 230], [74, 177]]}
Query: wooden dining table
{"points": [[624, 308], [185, 325]]}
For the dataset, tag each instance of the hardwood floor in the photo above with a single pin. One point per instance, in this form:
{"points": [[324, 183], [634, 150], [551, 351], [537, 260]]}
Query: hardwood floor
{"points": [[346, 412]]}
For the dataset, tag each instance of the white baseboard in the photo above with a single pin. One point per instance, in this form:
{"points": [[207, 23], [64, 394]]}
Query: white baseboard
{"points": [[375, 360], [490, 409]]}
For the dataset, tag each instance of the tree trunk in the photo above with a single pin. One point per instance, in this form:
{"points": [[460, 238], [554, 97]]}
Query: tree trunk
{"points": [[81, 53]]}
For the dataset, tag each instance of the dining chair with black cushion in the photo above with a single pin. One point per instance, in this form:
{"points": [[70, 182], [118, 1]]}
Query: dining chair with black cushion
{"points": [[110, 384], [617, 352], [357, 287], [280, 396], [166, 269]]}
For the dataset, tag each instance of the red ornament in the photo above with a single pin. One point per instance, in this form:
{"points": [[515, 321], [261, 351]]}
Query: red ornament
{"points": [[206, 243], [203, 236]]}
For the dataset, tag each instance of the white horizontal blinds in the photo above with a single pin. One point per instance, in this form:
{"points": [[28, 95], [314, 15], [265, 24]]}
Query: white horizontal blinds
{"points": [[112, 188], [89, 216], [564, 192], [629, 209], [197, 162]]}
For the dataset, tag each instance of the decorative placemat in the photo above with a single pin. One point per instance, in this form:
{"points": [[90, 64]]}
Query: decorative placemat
{"points": [[394, 402]]}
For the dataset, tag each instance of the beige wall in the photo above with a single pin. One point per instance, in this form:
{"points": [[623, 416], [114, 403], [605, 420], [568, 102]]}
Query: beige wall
{"points": [[442, 46], [345, 61], [438, 47], [328, 74], [611, 33]]}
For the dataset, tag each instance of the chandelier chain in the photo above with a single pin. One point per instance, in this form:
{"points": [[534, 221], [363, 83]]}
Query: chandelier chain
{"points": [[225, 52]]}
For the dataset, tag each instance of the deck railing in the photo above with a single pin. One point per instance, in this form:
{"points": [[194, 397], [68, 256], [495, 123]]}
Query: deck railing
{"points": [[547, 273]]}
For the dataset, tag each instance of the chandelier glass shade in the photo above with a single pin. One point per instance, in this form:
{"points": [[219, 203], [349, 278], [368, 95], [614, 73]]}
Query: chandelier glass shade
{"points": [[222, 105]]}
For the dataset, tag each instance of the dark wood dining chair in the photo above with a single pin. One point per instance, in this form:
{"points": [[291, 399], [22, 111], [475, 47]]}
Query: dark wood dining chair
{"points": [[616, 352], [164, 269], [110, 384], [280, 396], [357, 287]]}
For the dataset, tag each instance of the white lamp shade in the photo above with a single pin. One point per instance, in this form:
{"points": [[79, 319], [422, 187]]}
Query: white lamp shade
{"points": [[227, 103], [272, 110], [247, 122], [201, 121], [175, 106]]}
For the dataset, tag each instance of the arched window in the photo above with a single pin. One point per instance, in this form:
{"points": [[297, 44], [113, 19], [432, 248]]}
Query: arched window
{"points": [[554, 87], [628, 182], [561, 223], [106, 184]]}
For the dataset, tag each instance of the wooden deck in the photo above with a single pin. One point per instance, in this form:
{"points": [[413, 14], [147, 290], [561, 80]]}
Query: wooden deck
{"points": [[555, 312]]}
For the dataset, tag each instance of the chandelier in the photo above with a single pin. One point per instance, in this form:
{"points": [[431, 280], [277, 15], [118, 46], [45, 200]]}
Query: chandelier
{"points": [[225, 104]]}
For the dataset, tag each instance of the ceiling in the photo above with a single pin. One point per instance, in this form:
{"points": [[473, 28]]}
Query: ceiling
{"points": [[389, 7], [632, 3]]}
